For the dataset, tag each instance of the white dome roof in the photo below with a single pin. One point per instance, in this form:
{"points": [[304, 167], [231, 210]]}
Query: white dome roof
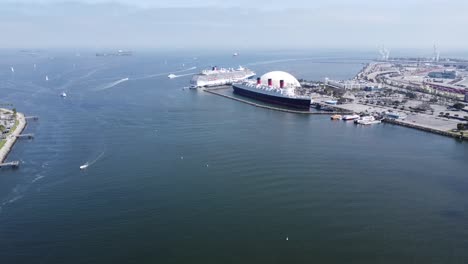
{"points": [[276, 76]]}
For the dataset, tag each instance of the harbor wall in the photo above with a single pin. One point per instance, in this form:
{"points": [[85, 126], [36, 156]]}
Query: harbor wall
{"points": [[426, 129]]}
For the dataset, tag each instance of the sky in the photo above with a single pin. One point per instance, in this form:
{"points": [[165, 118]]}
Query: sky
{"points": [[229, 24]]}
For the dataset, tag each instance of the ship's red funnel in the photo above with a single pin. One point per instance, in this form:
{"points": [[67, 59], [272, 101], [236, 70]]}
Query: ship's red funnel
{"points": [[259, 81], [281, 83], [270, 82]]}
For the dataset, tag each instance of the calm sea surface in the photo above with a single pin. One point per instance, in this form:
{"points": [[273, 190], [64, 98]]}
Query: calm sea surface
{"points": [[183, 176]]}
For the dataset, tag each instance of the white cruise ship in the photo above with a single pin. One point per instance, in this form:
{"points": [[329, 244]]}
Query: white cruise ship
{"points": [[220, 76]]}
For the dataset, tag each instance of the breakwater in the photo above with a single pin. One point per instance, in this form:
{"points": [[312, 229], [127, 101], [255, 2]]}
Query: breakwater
{"points": [[213, 91]]}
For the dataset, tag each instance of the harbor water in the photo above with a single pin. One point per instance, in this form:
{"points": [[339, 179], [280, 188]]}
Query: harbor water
{"points": [[183, 176]]}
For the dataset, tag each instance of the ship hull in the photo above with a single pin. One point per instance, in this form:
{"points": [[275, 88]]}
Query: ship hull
{"points": [[298, 103]]}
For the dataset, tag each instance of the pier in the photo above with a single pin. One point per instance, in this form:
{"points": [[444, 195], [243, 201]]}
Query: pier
{"points": [[212, 91], [35, 118], [12, 164], [26, 136]]}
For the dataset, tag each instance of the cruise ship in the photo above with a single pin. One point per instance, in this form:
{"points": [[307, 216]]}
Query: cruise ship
{"points": [[220, 76], [275, 87]]}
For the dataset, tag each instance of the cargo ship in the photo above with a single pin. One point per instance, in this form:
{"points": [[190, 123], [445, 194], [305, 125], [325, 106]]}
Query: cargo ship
{"points": [[220, 76], [275, 87]]}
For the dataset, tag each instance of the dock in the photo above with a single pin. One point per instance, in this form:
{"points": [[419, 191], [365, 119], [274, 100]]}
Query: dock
{"points": [[35, 118], [27, 136], [12, 164], [212, 91]]}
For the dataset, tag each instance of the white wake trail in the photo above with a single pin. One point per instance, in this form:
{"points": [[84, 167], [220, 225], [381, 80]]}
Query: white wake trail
{"points": [[88, 164], [182, 75], [163, 74], [94, 161], [112, 84]]}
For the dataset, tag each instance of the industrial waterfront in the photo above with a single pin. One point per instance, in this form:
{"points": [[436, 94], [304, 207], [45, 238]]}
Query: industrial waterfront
{"points": [[180, 175]]}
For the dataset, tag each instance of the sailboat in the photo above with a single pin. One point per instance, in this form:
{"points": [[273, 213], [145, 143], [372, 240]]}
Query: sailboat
{"points": [[47, 78], [12, 69]]}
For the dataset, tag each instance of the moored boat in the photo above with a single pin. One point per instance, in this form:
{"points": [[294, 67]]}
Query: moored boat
{"points": [[367, 120], [350, 117], [336, 117]]}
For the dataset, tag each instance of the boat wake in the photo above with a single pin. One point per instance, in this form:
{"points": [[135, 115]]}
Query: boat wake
{"points": [[112, 84], [173, 76], [164, 74], [37, 178], [88, 164]]}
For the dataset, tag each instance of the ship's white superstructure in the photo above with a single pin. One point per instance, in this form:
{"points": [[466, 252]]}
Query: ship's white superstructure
{"points": [[220, 76]]}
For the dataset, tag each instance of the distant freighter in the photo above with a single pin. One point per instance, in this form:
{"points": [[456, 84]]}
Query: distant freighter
{"points": [[216, 77], [280, 88]]}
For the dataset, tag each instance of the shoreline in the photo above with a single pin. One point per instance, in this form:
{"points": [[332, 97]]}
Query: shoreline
{"points": [[425, 129], [417, 125], [345, 111], [12, 138]]}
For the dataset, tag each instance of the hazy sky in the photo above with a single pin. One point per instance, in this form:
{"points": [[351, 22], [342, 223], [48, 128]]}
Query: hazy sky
{"points": [[229, 24]]}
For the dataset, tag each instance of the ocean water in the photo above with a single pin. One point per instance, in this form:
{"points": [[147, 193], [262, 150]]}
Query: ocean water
{"points": [[183, 176]]}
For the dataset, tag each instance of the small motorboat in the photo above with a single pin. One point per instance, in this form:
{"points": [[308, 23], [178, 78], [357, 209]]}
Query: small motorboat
{"points": [[64, 94], [336, 117], [84, 166]]}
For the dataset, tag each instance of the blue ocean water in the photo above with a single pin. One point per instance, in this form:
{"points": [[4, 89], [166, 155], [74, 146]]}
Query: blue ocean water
{"points": [[183, 176]]}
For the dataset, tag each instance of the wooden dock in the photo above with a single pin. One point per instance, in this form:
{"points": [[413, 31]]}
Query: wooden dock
{"points": [[12, 164]]}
